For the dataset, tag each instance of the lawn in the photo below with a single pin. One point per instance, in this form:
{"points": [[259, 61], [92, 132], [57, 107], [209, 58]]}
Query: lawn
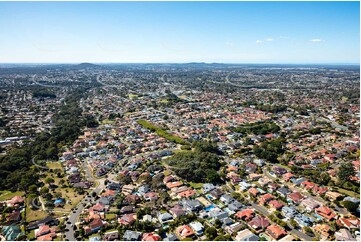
{"points": [[54, 165], [132, 96], [69, 194], [6, 195], [349, 193], [32, 215], [110, 216], [31, 235], [196, 185], [283, 166], [107, 121], [166, 173], [164, 101]]}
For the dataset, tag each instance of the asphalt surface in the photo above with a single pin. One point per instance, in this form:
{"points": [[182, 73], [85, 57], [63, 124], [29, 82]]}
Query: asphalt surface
{"points": [[73, 217]]}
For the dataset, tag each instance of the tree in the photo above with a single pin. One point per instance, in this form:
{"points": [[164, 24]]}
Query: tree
{"points": [[44, 190], [220, 238], [350, 206], [211, 233], [217, 223], [293, 223], [57, 195], [125, 180], [345, 172], [307, 229], [325, 178], [49, 180], [33, 188]]}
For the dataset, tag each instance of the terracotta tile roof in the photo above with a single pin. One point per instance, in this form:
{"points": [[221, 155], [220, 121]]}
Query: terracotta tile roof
{"points": [[325, 212], [259, 222], [128, 219], [43, 229], [96, 223], [184, 231], [245, 214], [276, 231], [150, 237], [253, 191], [188, 193], [265, 198], [108, 193], [47, 237], [296, 197], [173, 184], [276, 204], [350, 223]]}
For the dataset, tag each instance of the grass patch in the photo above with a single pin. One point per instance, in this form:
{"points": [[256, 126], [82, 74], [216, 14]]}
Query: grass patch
{"points": [[54, 165], [33, 214], [166, 173], [161, 132], [196, 185], [107, 121], [132, 96], [57, 238], [6, 195], [164, 101], [70, 195], [110, 216], [31, 235], [349, 193]]}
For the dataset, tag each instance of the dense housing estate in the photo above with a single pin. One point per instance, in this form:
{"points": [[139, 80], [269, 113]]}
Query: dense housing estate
{"points": [[195, 152]]}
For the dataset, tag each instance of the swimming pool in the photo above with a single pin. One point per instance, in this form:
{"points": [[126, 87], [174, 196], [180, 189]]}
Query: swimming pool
{"points": [[209, 197], [209, 208], [318, 217]]}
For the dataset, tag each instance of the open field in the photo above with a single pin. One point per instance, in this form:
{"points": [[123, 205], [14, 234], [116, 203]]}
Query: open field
{"points": [[161, 132], [54, 165], [196, 185], [33, 214], [349, 193], [6, 195]]}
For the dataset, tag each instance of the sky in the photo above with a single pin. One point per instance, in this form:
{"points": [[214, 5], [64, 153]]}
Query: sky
{"points": [[178, 32]]}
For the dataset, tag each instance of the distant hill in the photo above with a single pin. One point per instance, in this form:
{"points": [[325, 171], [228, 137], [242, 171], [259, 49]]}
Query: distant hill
{"points": [[87, 65]]}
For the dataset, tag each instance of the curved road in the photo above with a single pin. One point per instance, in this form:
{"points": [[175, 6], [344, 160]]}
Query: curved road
{"points": [[44, 85]]}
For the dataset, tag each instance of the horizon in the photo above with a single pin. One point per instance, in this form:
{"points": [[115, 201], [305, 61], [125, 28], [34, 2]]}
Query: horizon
{"points": [[180, 32], [161, 63]]}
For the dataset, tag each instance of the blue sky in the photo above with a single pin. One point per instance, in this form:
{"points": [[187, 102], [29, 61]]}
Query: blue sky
{"points": [[229, 32]]}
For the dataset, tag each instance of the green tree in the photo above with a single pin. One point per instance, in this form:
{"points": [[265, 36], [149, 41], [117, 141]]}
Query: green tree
{"points": [[44, 190], [211, 233], [350, 206], [217, 223], [324, 178], [33, 188], [220, 238], [49, 180], [345, 172]]}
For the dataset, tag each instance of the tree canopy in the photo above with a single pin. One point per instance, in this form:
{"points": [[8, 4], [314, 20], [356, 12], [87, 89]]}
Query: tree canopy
{"points": [[199, 165]]}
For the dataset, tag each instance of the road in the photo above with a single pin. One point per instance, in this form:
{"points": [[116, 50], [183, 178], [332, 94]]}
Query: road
{"points": [[260, 209], [301, 235], [37, 165], [43, 85], [74, 215]]}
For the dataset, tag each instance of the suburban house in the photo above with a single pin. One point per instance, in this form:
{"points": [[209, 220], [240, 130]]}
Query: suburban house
{"points": [[275, 231], [325, 212]]}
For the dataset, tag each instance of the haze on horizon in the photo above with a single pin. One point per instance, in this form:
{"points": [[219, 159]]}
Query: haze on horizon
{"points": [[171, 32]]}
